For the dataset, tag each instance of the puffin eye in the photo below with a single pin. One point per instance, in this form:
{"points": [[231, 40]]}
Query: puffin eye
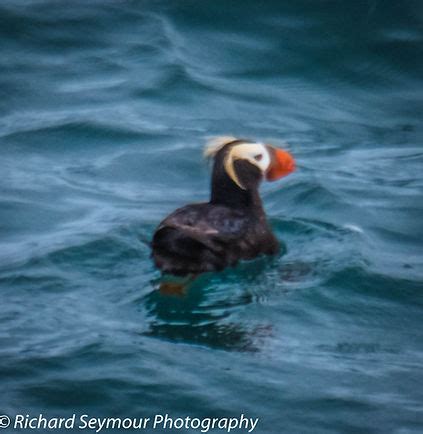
{"points": [[258, 157]]}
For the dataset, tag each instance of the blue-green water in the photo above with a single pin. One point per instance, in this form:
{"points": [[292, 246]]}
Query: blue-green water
{"points": [[105, 107]]}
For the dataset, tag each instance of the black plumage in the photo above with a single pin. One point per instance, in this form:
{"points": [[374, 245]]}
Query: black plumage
{"points": [[211, 236]]}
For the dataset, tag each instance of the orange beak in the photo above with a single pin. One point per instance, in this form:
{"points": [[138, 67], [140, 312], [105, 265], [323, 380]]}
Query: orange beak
{"points": [[282, 164]]}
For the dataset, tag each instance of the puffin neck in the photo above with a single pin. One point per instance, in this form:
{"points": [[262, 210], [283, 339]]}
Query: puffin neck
{"points": [[225, 192]]}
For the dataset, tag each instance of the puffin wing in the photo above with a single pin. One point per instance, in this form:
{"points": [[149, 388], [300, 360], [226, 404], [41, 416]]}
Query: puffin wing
{"points": [[197, 238]]}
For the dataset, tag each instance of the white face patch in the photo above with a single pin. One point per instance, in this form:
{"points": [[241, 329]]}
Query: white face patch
{"points": [[254, 153]]}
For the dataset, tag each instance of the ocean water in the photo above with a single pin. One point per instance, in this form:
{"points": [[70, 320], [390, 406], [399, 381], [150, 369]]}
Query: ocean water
{"points": [[105, 107]]}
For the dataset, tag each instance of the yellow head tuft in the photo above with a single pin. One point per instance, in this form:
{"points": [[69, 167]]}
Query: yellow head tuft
{"points": [[214, 145]]}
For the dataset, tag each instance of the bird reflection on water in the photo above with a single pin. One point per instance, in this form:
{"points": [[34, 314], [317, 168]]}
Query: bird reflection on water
{"points": [[198, 311], [204, 310]]}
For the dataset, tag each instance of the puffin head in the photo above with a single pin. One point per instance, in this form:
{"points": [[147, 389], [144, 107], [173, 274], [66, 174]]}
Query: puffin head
{"points": [[247, 162]]}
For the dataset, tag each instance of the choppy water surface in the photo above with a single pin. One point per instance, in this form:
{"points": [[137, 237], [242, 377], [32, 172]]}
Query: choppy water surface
{"points": [[105, 107]]}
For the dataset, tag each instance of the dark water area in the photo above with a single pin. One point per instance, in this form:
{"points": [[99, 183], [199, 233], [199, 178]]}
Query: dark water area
{"points": [[105, 107]]}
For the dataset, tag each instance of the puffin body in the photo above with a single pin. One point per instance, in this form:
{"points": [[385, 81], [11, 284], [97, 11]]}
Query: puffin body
{"points": [[230, 227]]}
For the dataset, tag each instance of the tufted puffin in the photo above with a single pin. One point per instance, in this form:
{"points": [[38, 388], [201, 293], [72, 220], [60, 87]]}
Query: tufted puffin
{"points": [[232, 226]]}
